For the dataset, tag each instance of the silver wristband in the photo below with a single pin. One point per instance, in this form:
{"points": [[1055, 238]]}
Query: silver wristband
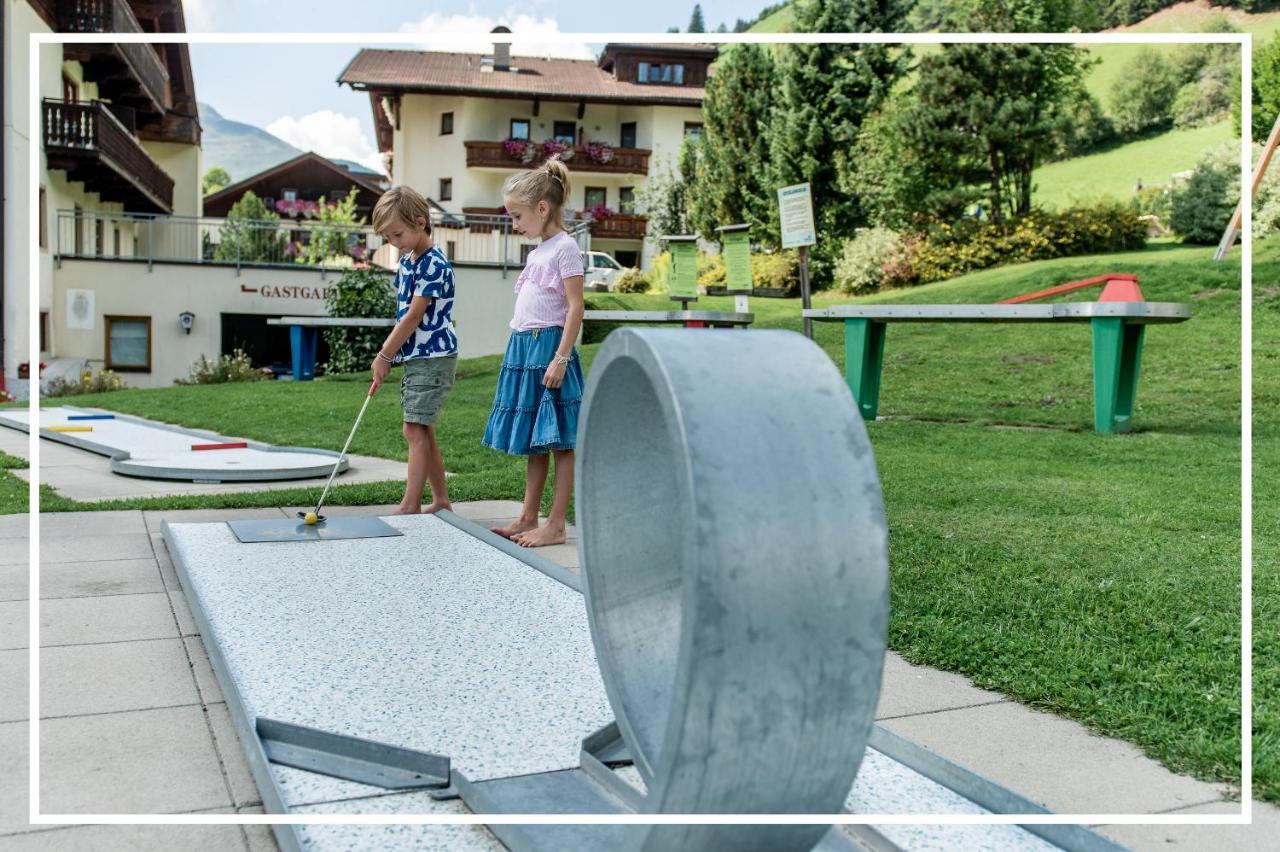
{"points": [[385, 358]]}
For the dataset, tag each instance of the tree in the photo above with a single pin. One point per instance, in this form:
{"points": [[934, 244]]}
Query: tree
{"points": [[734, 185], [337, 228], [662, 201], [825, 92], [1142, 98], [696, 24], [896, 185], [250, 233], [1203, 209], [215, 179], [1266, 89]]}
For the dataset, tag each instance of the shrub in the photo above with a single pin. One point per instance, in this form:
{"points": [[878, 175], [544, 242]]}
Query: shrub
{"points": [[776, 271], [860, 268], [660, 274], [632, 281], [90, 382], [235, 367], [358, 293], [1202, 209], [711, 270], [249, 235]]}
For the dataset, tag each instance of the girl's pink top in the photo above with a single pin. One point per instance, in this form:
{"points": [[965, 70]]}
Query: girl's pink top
{"points": [[540, 296]]}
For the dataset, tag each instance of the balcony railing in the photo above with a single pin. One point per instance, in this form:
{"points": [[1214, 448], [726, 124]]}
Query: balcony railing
{"points": [[89, 142], [485, 240], [115, 16], [624, 161], [620, 226]]}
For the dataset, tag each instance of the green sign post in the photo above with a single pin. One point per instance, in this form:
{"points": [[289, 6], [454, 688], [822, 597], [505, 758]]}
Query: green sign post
{"points": [[737, 258], [684, 273]]}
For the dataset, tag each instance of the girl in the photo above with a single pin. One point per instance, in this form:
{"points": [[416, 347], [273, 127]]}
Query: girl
{"points": [[535, 408]]}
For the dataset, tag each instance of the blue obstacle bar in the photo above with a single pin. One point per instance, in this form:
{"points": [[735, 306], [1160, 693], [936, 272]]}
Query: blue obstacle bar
{"points": [[91, 417]]}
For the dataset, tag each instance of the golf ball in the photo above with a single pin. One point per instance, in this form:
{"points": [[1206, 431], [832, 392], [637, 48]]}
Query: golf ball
{"points": [[310, 518]]}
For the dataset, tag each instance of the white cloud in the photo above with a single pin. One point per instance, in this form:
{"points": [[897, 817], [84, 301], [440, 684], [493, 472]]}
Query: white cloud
{"points": [[442, 33], [330, 134], [201, 15]]}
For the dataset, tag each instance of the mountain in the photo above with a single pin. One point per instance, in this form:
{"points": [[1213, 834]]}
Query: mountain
{"points": [[242, 149]]}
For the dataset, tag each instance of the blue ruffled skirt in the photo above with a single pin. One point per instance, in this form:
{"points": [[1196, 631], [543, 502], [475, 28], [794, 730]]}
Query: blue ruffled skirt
{"points": [[527, 418]]}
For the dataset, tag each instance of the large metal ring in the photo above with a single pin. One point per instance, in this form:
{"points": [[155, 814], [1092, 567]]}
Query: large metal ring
{"points": [[735, 562]]}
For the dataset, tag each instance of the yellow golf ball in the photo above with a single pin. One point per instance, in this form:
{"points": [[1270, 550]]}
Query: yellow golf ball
{"points": [[310, 518]]}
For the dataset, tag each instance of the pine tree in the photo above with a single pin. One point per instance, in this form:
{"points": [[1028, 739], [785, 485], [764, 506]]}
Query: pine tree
{"points": [[734, 186], [696, 24], [825, 92]]}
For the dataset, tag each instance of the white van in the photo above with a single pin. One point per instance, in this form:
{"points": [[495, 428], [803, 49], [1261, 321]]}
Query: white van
{"points": [[601, 271]]}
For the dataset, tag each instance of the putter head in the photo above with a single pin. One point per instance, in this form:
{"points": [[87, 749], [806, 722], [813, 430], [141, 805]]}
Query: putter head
{"points": [[302, 516]]}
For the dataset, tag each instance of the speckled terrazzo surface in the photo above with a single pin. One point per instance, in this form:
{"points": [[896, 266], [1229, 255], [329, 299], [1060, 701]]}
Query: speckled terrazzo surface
{"points": [[380, 838], [433, 641]]}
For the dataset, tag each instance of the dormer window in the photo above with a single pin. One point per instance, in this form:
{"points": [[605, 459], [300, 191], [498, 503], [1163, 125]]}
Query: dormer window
{"points": [[670, 74]]}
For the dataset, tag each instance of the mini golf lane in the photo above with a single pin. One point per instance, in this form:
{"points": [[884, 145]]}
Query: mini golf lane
{"points": [[142, 448], [438, 641]]}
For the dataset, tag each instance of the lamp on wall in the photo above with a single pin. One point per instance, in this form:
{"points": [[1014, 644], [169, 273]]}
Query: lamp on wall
{"points": [[187, 319]]}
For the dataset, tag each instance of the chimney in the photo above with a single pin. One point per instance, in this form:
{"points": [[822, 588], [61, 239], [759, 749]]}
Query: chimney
{"points": [[501, 51]]}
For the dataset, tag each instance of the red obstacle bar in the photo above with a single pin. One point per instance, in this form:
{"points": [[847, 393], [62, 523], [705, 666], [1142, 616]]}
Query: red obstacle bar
{"points": [[232, 445], [1077, 285]]}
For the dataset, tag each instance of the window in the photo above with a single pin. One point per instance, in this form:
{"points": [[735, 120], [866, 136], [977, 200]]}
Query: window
{"points": [[451, 249], [693, 129], [289, 194], [595, 196], [668, 74], [446, 189], [628, 135], [99, 237], [628, 259], [627, 200], [519, 128], [44, 215], [565, 131], [128, 344], [602, 261], [446, 123], [44, 331]]}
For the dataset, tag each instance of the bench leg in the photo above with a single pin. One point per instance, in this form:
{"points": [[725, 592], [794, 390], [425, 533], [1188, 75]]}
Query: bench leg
{"points": [[302, 345], [863, 359], [1117, 354]]}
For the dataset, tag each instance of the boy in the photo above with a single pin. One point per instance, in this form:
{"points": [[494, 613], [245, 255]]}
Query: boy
{"points": [[423, 340]]}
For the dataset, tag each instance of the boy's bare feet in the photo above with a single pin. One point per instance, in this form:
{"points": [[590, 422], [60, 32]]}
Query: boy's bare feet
{"points": [[408, 510], [514, 528], [541, 537], [436, 507]]}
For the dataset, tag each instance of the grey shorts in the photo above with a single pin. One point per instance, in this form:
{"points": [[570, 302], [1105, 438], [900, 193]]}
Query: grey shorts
{"points": [[425, 386]]}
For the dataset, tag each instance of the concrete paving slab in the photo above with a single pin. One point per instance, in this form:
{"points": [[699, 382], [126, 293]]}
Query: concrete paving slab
{"points": [[14, 786], [476, 510], [182, 612], [96, 524], [118, 618], [15, 582], [1053, 761], [909, 690], [154, 518], [259, 837], [92, 579], [202, 671], [14, 624], [135, 838], [168, 576], [141, 761], [13, 674], [78, 680], [16, 551], [95, 548], [14, 526], [243, 789], [565, 555], [1263, 834]]}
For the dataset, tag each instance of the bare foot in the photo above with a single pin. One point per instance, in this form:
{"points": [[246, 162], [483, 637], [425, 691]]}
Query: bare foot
{"points": [[514, 528], [408, 510], [541, 537], [436, 507]]}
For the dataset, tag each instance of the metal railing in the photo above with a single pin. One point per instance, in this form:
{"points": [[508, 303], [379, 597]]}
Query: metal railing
{"points": [[115, 16], [485, 240], [89, 127]]}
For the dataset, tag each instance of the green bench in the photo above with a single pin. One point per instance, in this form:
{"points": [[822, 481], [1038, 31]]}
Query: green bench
{"points": [[1118, 330]]}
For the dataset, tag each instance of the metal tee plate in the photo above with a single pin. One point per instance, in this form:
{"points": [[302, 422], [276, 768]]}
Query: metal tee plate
{"points": [[292, 529]]}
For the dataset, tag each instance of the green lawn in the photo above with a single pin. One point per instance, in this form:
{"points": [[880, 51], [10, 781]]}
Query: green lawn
{"points": [[1094, 576]]}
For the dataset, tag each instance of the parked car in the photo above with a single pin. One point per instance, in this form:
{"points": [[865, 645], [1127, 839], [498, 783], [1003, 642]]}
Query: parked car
{"points": [[601, 271]]}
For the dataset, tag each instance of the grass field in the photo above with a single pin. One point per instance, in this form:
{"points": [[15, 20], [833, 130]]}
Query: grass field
{"points": [[1093, 576]]}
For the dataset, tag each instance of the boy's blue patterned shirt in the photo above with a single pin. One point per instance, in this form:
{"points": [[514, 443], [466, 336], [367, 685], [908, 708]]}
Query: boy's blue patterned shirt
{"points": [[429, 276]]}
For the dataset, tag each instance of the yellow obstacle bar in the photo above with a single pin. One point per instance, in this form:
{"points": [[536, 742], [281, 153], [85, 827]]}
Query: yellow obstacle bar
{"points": [[69, 428]]}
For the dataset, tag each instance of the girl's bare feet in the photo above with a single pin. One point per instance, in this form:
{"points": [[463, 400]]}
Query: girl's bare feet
{"points": [[541, 537], [514, 528], [436, 507]]}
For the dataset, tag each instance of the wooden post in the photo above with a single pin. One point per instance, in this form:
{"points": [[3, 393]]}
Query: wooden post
{"points": [[1233, 227], [804, 289]]}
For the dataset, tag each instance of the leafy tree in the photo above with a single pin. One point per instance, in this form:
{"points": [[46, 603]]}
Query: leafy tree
{"points": [[895, 183], [733, 186], [825, 92], [337, 226], [215, 179], [1266, 89], [1142, 98], [1202, 210], [696, 24], [663, 200], [250, 233]]}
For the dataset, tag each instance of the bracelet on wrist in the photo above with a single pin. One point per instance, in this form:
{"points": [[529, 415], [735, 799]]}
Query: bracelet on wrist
{"points": [[563, 359], [385, 358]]}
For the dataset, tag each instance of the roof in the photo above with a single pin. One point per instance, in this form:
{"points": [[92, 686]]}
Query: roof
{"points": [[237, 189], [549, 79]]}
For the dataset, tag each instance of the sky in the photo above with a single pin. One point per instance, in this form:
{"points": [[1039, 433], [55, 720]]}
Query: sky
{"points": [[291, 90]]}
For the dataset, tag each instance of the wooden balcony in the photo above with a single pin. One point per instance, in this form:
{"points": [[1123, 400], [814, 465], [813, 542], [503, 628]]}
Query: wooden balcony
{"points": [[131, 76], [93, 147], [625, 161], [620, 226]]}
